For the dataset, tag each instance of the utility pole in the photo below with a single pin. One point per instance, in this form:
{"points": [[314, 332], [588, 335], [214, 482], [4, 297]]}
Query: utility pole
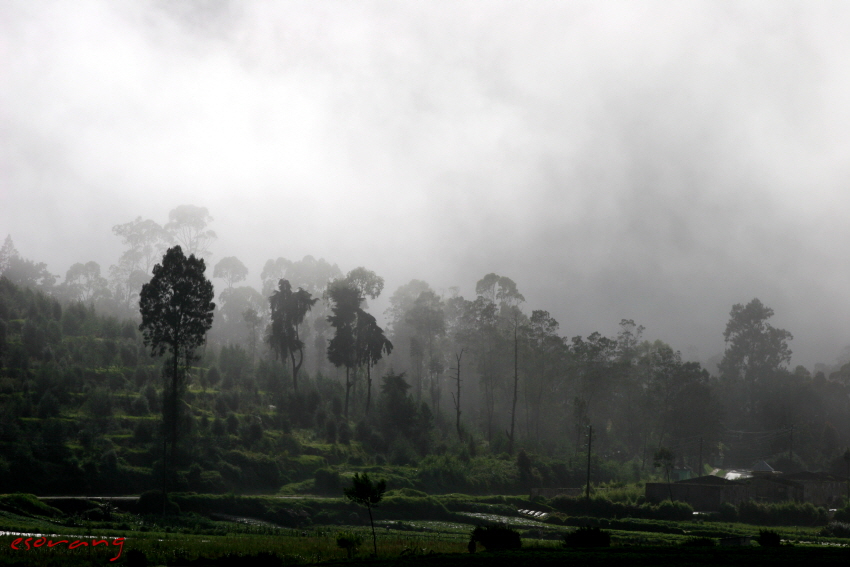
{"points": [[589, 440], [791, 446], [700, 457]]}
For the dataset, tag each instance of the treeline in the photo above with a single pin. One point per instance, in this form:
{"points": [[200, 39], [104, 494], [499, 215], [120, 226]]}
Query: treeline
{"points": [[452, 376]]}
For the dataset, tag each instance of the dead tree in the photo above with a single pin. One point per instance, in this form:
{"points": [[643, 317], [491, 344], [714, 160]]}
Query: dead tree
{"points": [[457, 399], [516, 387]]}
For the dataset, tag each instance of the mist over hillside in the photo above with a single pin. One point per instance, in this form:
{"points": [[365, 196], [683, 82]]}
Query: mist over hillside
{"points": [[651, 162]]}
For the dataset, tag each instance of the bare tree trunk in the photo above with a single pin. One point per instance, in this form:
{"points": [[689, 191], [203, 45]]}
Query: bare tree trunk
{"points": [[490, 403], [457, 399], [347, 390], [296, 367], [368, 386], [516, 388], [374, 538]]}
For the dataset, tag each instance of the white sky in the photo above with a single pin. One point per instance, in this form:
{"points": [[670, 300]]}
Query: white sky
{"points": [[658, 161]]}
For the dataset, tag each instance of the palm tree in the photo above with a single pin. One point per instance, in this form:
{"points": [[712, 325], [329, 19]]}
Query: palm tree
{"points": [[372, 344], [288, 311], [342, 348]]}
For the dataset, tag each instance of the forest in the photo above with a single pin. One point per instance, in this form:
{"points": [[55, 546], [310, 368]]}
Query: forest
{"points": [[284, 387]]}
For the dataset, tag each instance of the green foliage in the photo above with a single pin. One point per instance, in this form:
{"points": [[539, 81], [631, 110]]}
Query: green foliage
{"points": [[699, 542], [755, 349], [496, 537], [836, 529], [27, 505], [781, 514], [587, 537], [842, 514], [155, 502], [349, 541], [176, 305], [674, 510], [601, 507], [364, 492], [728, 512]]}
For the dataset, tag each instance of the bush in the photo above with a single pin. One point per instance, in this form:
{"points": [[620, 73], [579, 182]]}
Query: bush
{"points": [[699, 542], [677, 511], [496, 537], [349, 541], [588, 537], [27, 505], [781, 514], [842, 514], [601, 507], [728, 512], [836, 529], [151, 502], [769, 538]]}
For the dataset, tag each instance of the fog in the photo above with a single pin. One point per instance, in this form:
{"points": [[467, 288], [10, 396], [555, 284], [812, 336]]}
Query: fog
{"points": [[655, 161]]}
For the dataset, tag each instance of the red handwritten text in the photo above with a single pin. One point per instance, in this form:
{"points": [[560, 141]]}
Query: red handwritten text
{"points": [[39, 542]]}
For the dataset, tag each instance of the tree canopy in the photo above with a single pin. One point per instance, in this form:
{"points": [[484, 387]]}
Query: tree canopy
{"points": [[176, 305], [288, 309], [177, 311], [754, 348]]}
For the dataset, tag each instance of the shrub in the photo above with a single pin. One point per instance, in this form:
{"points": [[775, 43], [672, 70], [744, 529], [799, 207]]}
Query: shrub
{"points": [[601, 507], [699, 542], [728, 512], [496, 537], [781, 514], [349, 541], [27, 505], [588, 537], [836, 529], [344, 433], [151, 502], [842, 514], [598, 506], [668, 510], [768, 538]]}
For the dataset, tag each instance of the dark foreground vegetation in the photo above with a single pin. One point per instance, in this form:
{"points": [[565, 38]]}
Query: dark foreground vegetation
{"points": [[228, 529]]}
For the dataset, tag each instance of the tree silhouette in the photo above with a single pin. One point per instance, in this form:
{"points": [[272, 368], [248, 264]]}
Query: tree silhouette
{"points": [[177, 311], [664, 457], [83, 282], [372, 344], [187, 225], [342, 348], [288, 311], [368, 494], [231, 270], [755, 350], [367, 282], [358, 339]]}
